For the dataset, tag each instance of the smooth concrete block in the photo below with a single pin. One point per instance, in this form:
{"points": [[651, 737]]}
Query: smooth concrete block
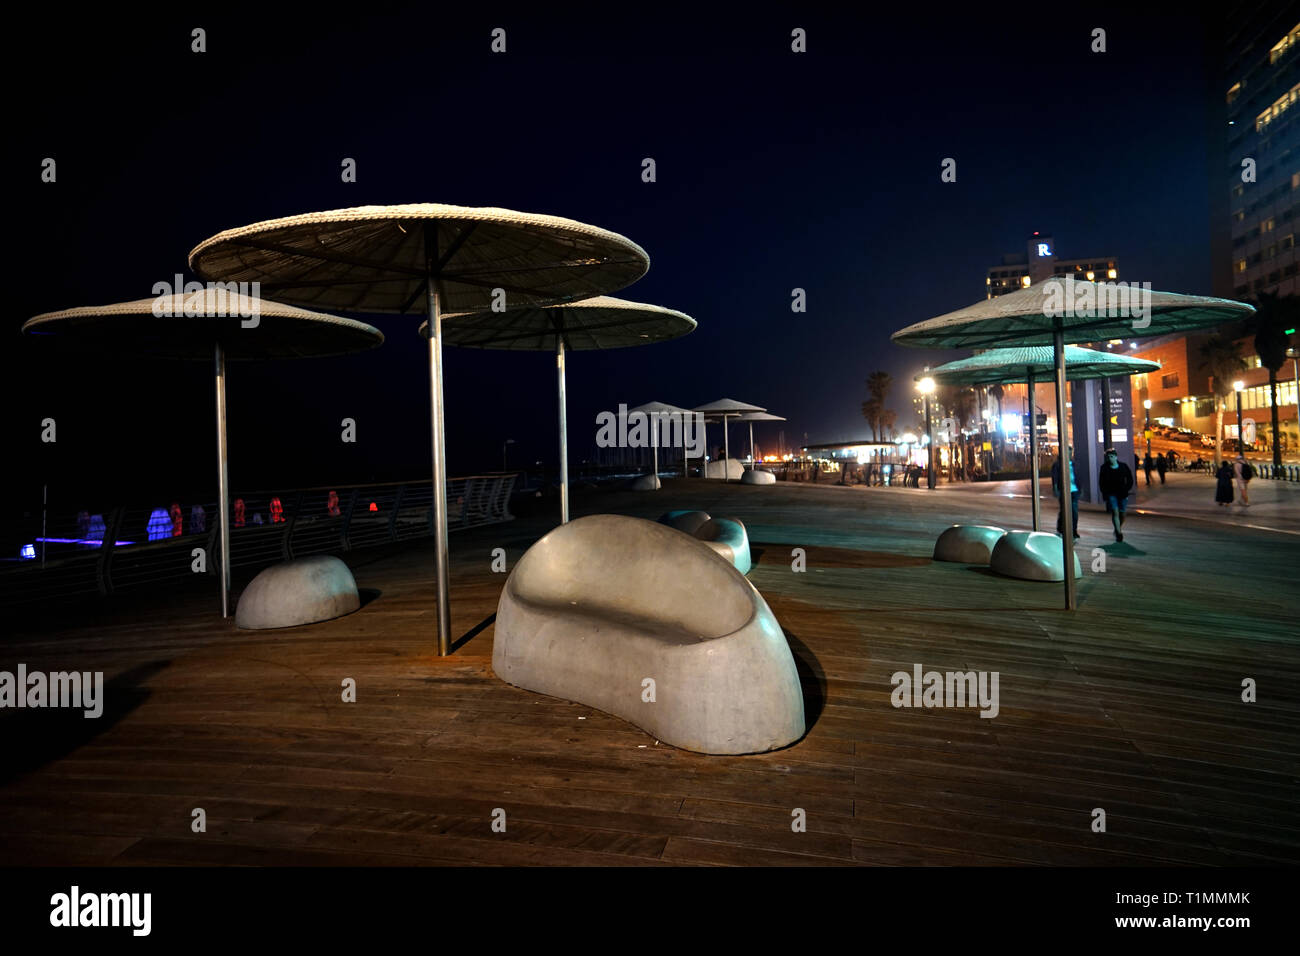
{"points": [[756, 476], [1031, 556], [303, 591], [646, 483], [726, 536], [968, 543], [640, 621], [731, 467]]}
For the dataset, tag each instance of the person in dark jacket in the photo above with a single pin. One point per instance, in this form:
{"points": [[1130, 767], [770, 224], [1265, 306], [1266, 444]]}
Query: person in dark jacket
{"points": [[1162, 464], [1115, 481], [1223, 490], [1147, 466], [1073, 492]]}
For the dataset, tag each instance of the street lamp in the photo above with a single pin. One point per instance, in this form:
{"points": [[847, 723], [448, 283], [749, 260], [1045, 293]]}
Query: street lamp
{"points": [[508, 441], [1146, 403], [926, 388], [1237, 386]]}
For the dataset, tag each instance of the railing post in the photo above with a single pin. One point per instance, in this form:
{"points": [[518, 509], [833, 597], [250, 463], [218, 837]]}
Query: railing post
{"points": [[392, 519], [344, 532], [286, 543], [111, 528]]}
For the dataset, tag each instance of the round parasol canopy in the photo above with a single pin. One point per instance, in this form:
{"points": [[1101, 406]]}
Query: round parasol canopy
{"points": [[601, 322], [189, 324], [1012, 365], [431, 258], [1031, 363], [210, 324], [1084, 311], [752, 417], [657, 411], [377, 258], [722, 411]]}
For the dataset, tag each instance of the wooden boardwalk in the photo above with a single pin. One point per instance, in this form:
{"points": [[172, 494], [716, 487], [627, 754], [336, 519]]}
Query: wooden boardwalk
{"points": [[1132, 704]]}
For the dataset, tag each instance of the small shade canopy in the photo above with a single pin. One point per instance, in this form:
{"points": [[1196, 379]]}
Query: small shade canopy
{"points": [[1007, 366], [379, 258], [211, 325], [659, 408], [759, 417], [1030, 316], [187, 326], [601, 322], [723, 410], [657, 411]]}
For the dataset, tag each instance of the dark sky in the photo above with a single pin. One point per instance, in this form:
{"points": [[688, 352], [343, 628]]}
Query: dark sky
{"points": [[775, 171]]}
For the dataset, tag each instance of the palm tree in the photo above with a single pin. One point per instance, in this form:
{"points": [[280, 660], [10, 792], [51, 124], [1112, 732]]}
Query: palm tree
{"points": [[1223, 359], [1273, 316], [878, 385], [887, 418]]}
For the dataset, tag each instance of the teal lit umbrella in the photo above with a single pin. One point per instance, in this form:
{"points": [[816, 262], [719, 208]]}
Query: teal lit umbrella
{"points": [[1057, 311]]}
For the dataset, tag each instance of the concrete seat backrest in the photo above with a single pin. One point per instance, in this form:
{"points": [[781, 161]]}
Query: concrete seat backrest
{"points": [[628, 566], [688, 521]]}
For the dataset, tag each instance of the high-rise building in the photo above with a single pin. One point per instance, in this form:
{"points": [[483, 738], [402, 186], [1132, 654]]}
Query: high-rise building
{"points": [[1255, 149], [1038, 262]]}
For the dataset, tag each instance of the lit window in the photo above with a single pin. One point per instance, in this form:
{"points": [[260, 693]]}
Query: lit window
{"points": [[1112, 273], [1091, 276], [1241, 265], [1024, 281], [1280, 106], [1232, 93], [1279, 49]]}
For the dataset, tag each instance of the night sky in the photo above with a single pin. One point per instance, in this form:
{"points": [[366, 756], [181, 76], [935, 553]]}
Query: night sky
{"points": [[775, 170]]}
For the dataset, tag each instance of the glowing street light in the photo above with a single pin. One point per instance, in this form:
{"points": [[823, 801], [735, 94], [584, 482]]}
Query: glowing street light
{"points": [[926, 388]]}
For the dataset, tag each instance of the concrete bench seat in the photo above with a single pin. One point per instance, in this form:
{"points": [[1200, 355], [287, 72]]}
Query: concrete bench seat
{"points": [[1031, 556], [757, 476], [726, 536], [603, 605], [302, 591], [968, 543], [728, 467], [646, 483]]}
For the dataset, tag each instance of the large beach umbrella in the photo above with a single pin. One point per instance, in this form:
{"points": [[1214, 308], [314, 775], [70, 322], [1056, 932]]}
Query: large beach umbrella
{"points": [[657, 411], [1060, 311], [752, 417], [601, 322], [1029, 364], [210, 325], [424, 258], [721, 411]]}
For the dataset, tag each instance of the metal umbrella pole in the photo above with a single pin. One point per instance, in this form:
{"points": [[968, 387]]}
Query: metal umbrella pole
{"points": [[751, 443], [726, 444], [1067, 526], [441, 561], [564, 430], [223, 487], [1033, 452]]}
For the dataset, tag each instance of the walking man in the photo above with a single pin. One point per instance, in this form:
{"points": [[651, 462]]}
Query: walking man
{"points": [[1115, 481], [1147, 465], [1161, 465]]}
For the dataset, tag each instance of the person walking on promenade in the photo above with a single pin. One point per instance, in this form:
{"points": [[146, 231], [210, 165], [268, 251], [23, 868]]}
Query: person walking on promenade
{"points": [[1074, 494], [1223, 489], [1147, 465], [1115, 481], [1162, 464], [1243, 472]]}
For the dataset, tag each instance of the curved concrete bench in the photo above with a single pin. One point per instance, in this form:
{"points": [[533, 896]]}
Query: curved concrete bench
{"points": [[731, 467], [646, 483], [968, 543], [303, 591], [726, 536], [1031, 556], [603, 603], [756, 476]]}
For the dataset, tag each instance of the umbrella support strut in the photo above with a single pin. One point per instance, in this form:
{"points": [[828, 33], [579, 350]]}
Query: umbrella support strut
{"points": [[440, 556], [564, 432], [1033, 454], [1064, 459], [223, 488]]}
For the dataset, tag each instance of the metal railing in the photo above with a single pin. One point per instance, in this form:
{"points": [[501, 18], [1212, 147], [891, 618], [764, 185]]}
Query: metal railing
{"points": [[131, 547], [1278, 472]]}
